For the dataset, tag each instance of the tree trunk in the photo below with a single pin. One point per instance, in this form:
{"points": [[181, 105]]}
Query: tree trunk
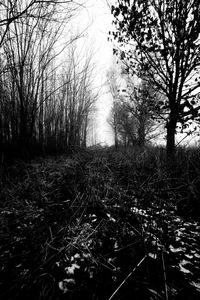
{"points": [[116, 138], [141, 135], [23, 134], [171, 148], [84, 143]]}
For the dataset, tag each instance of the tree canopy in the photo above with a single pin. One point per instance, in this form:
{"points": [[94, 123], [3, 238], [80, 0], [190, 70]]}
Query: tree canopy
{"points": [[165, 46]]}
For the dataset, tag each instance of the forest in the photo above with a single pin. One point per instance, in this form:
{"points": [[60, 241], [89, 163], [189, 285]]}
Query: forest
{"points": [[85, 220]]}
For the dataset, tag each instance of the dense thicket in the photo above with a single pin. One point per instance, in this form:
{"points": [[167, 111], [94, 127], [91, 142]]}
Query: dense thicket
{"points": [[45, 99]]}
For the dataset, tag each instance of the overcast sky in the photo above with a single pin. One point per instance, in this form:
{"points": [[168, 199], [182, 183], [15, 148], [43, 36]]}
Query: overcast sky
{"points": [[96, 17]]}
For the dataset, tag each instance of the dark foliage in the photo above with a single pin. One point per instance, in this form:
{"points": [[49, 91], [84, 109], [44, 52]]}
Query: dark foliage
{"points": [[159, 42]]}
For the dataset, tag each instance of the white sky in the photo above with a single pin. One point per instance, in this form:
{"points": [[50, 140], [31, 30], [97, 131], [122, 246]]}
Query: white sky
{"points": [[96, 17]]}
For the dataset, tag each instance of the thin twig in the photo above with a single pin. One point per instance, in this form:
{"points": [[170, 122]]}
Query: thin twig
{"points": [[165, 277], [129, 275]]}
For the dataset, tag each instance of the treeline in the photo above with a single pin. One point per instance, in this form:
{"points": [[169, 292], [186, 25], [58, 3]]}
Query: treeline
{"points": [[136, 118], [46, 96]]}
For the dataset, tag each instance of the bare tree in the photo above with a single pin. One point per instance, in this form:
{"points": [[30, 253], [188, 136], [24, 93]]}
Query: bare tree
{"points": [[13, 10], [165, 36], [28, 70], [134, 112], [114, 86], [76, 98], [123, 124], [142, 101]]}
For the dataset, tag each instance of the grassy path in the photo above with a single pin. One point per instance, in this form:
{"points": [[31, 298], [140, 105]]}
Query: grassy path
{"points": [[98, 225]]}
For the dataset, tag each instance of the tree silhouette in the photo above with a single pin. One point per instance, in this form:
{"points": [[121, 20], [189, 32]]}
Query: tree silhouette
{"points": [[46, 98], [165, 46]]}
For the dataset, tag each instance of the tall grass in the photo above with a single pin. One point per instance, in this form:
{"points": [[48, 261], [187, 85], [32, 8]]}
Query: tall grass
{"points": [[97, 224]]}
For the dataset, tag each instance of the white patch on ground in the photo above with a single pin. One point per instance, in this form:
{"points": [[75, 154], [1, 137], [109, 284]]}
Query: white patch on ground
{"points": [[111, 218], [176, 250], [197, 255], [196, 285], [72, 268], [116, 246], [182, 268], [63, 285], [77, 256], [153, 255], [189, 256], [141, 212]]}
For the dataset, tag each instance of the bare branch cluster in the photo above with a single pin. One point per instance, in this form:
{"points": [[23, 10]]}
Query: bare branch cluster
{"points": [[44, 102]]}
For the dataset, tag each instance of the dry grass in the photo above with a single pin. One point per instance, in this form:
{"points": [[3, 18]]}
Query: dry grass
{"points": [[77, 227]]}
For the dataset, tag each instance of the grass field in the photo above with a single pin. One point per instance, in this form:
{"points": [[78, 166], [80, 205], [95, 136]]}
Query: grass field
{"points": [[101, 224]]}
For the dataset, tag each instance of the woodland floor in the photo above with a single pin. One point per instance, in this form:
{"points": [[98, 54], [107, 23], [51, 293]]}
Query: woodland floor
{"points": [[101, 224]]}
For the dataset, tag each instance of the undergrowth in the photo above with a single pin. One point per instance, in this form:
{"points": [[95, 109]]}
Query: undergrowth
{"points": [[101, 224]]}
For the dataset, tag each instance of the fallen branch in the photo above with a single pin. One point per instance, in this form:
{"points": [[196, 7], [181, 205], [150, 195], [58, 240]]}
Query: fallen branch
{"points": [[129, 275]]}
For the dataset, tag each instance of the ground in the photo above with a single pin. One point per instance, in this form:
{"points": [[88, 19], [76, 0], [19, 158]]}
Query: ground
{"points": [[101, 224]]}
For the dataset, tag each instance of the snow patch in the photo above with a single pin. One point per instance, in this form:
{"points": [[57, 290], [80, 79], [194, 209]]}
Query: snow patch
{"points": [[176, 250], [182, 268], [72, 268]]}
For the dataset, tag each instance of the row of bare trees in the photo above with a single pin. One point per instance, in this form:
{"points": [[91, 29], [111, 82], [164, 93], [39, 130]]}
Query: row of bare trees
{"points": [[135, 118], [46, 95]]}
